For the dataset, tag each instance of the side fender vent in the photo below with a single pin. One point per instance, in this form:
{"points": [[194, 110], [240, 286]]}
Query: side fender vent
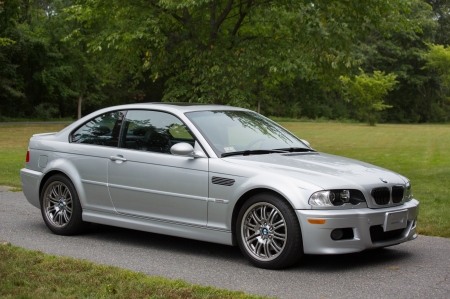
{"points": [[222, 181]]}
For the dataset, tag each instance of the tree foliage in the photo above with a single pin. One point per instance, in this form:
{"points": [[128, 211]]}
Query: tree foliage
{"points": [[367, 92], [38, 71], [438, 59], [231, 51], [279, 57]]}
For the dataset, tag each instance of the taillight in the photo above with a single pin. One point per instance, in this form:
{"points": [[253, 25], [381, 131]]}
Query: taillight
{"points": [[28, 157]]}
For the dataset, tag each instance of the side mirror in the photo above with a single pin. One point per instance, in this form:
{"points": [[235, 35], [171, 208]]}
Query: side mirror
{"points": [[305, 142], [185, 149], [182, 149]]}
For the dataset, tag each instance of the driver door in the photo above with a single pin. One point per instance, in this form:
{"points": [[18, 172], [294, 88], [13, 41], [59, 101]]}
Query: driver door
{"points": [[146, 180]]}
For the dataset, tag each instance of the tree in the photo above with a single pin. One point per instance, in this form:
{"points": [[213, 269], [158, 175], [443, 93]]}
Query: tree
{"points": [[39, 72], [438, 60], [367, 92], [415, 98], [441, 11], [11, 85], [75, 77], [231, 51]]}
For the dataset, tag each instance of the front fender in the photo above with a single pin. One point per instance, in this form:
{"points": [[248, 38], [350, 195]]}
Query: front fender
{"points": [[223, 199]]}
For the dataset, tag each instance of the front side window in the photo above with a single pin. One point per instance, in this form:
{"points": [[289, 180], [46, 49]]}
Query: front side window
{"points": [[153, 131], [102, 130]]}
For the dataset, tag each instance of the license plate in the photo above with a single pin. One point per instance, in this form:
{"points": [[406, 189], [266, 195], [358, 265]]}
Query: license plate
{"points": [[395, 220]]}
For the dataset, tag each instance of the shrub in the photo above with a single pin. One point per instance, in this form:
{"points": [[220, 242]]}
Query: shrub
{"points": [[46, 111]]}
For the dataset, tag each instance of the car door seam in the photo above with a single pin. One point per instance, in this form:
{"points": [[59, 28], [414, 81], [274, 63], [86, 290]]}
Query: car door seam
{"points": [[158, 192]]}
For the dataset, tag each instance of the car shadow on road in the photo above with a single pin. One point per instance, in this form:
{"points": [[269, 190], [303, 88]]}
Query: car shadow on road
{"points": [[380, 257]]}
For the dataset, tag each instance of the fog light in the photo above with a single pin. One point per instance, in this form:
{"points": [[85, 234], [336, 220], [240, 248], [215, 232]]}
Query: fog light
{"points": [[337, 234]]}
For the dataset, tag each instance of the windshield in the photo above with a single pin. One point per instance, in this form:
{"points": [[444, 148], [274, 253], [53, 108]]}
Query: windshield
{"points": [[234, 131]]}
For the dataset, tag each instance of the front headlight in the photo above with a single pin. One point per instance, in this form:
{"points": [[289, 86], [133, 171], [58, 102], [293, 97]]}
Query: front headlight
{"points": [[408, 192], [339, 197], [321, 199]]}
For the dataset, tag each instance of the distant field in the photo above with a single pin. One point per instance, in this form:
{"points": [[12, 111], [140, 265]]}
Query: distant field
{"points": [[419, 152]]}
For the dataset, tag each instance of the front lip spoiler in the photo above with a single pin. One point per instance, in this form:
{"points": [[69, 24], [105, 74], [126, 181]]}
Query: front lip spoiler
{"points": [[317, 238]]}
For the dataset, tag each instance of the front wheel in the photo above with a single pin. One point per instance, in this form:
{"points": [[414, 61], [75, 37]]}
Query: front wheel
{"points": [[268, 232], [60, 206]]}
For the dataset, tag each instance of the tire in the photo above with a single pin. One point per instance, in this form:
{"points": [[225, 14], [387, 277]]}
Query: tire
{"points": [[60, 206], [268, 232]]}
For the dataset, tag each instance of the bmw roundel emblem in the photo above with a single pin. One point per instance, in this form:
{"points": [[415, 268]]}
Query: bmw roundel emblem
{"points": [[383, 180]]}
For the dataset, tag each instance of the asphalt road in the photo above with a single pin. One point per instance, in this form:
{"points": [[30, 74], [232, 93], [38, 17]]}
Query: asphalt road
{"points": [[417, 269]]}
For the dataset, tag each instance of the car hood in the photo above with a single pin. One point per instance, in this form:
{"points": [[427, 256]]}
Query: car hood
{"points": [[323, 170]]}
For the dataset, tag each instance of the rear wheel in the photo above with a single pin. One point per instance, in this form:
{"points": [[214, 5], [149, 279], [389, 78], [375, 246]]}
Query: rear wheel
{"points": [[60, 206], [268, 232]]}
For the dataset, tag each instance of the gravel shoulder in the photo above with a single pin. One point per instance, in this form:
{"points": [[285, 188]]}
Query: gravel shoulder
{"points": [[416, 269]]}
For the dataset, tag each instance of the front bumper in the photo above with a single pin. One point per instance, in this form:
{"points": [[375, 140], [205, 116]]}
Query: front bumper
{"points": [[317, 237], [30, 185]]}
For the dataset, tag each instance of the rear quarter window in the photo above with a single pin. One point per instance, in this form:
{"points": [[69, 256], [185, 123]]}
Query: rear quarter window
{"points": [[103, 130]]}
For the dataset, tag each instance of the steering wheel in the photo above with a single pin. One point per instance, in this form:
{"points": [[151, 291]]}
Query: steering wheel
{"points": [[249, 146]]}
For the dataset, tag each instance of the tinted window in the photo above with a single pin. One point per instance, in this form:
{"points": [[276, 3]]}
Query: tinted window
{"points": [[153, 131], [102, 130]]}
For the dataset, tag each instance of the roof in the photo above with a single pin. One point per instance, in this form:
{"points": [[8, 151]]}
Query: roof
{"points": [[181, 107]]}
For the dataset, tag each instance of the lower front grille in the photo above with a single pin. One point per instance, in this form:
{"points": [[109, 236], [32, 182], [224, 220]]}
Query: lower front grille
{"points": [[377, 234]]}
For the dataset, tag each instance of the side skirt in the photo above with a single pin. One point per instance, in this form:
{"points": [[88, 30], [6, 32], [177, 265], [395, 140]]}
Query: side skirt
{"points": [[160, 227]]}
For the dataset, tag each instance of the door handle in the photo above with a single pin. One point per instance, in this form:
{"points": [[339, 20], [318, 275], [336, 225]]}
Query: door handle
{"points": [[117, 158]]}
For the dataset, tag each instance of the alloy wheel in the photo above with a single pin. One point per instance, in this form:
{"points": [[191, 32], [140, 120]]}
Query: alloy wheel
{"points": [[57, 204], [264, 231]]}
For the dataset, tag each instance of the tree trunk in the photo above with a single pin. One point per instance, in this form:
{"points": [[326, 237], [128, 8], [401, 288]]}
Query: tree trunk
{"points": [[259, 96], [80, 100]]}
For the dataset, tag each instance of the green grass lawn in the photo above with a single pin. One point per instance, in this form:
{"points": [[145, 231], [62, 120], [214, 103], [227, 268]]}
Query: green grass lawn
{"points": [[33, 274], [419, 152], [13, 149], [34, 119]]}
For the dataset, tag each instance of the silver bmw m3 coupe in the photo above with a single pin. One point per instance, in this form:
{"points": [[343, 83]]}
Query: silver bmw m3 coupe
{"points": [[217, 174]]}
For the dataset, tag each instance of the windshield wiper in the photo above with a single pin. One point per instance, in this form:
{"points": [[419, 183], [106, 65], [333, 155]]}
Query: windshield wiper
{"points": [[253, 152], [296, 149]]}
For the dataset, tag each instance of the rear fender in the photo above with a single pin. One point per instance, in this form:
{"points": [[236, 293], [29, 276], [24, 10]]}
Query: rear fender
{"points": [[66, 167]]}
